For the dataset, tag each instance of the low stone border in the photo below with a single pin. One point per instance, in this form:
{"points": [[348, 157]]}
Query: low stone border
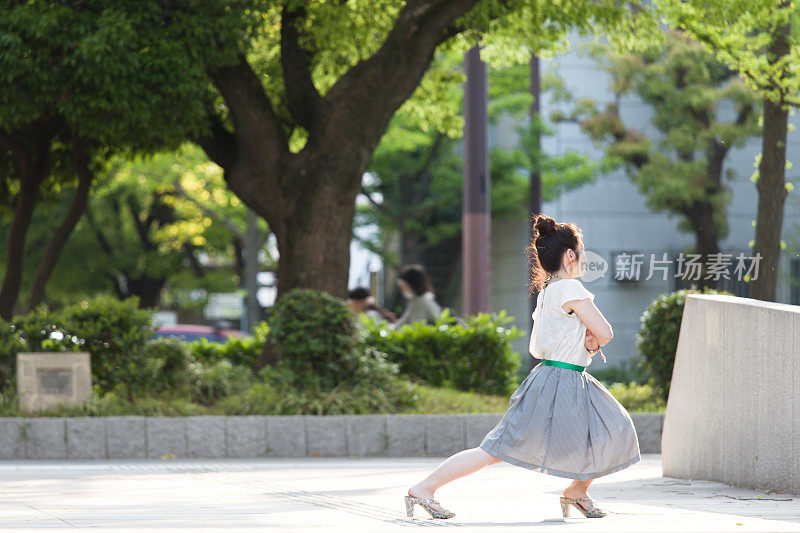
{"points": [[129, 437]]}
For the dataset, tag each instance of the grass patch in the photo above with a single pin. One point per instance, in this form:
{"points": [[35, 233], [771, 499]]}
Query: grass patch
{"points": [[263, 399]]}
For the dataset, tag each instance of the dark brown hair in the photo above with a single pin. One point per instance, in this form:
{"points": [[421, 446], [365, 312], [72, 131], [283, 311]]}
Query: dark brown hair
{"points": [[549, 241], [417, 277]]}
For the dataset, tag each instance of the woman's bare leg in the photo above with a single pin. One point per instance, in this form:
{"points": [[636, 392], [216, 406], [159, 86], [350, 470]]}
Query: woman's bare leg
{"points": [[458, 465], [577, 489]]}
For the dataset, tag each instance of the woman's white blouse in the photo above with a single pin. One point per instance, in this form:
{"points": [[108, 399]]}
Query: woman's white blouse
{"points": [[556, 334]]}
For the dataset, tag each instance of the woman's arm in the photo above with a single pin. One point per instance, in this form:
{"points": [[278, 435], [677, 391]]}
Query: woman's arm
{"points": [[385, 313], [594, 320]]}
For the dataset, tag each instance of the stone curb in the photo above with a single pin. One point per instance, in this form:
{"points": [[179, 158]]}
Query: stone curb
{"points": [[130, 437]]}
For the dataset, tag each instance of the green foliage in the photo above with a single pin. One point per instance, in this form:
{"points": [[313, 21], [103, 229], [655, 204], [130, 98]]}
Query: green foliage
{"points": [[314, 333], [139, 232], [657, 339], [275, 397], [244, 352], [114, 332], [214, 381], [628, 371], [743, 36], [168, 363], [40, 330], [476, 356], [638, 397], [680, 173]]}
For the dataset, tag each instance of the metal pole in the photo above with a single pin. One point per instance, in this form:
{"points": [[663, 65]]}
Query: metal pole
{"points": [[535, 192], [476, 221]]}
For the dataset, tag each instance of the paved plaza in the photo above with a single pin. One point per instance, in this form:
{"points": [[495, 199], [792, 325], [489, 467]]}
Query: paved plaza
{"points": [[363, 495]]}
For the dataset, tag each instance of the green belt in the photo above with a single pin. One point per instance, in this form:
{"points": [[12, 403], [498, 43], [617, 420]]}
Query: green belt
{"points": [[562, 364]]}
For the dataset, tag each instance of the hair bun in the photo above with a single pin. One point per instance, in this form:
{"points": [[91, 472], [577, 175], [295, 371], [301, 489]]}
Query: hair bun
{"points": [[545, 226]]}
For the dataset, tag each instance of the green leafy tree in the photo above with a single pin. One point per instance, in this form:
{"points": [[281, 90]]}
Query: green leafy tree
{"points": [[758, 39], [306, 106], [139, 237], [681, 172], [98, 76]]}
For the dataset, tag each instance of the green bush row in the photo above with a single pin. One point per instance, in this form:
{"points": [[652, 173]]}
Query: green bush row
{"points": [[475, 355]]}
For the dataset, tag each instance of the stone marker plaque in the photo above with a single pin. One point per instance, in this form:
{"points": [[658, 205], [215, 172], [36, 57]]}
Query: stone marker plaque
{"points": [[47, 379]]}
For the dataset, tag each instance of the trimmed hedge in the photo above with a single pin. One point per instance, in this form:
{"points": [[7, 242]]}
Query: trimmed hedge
{"points": [[474, 355]]}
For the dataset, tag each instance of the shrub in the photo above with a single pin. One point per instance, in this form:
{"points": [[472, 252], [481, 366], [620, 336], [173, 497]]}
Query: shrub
{"points": [[114, 332], [314, 334], [657, 339], [475, 356], [281, 398], [245, 352], [637, 397], [40, 330], [217, 380], [168, 362], [627, 372]]}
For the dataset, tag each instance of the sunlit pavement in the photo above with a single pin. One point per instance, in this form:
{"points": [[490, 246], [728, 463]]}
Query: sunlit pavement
{"points": [[363, 494]]}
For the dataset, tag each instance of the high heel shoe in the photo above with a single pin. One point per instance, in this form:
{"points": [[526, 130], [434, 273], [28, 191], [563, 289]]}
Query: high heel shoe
{"points": [[592, 512], [426, 504]]}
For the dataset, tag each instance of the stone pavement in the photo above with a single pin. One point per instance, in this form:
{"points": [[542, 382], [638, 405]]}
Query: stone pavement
{"points": [[363, 495]]}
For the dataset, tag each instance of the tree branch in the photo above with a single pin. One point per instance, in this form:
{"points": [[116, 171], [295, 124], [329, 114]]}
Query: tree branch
{"points": [[377, 87], [257, 128], [220, 145], [302, 96]]}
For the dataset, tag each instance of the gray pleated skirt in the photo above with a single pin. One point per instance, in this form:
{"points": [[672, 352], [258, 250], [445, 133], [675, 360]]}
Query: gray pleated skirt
{"points": [[566, 424]]}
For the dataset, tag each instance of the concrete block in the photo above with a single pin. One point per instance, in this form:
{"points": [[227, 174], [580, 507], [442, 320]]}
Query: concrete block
{"points": [[776, 389], [46, 438], [86, 438], [478, 425], [326, 436], [127, 437], [406, 435], [444, 435], [740, 377], [206, 437], [47, 379], [247, 436], [166, 436], [366, 434], [734, 390], [12, 444], [795, 486], [287, 436]]}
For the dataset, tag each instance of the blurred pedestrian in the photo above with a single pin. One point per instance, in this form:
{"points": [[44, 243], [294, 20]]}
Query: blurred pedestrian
{"points": [[415, 286], [361, 301]]}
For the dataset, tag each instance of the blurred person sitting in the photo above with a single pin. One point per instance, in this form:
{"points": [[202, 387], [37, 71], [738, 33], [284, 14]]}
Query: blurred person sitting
{"points": [[361, 301], [416, 287]]}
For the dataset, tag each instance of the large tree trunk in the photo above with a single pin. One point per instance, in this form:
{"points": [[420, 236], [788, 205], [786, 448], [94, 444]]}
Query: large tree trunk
{"points": [[706, 242], [771, 186], [314, 239], [31, 151], [15, 249], [64, 230], [308, 198]]}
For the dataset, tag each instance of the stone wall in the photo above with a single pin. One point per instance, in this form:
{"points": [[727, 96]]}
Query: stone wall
{"points": [[261, 436], [733, 413]]}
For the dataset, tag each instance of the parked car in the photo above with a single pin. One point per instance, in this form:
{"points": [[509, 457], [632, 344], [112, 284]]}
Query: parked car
{"points": [[193, 332]]}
